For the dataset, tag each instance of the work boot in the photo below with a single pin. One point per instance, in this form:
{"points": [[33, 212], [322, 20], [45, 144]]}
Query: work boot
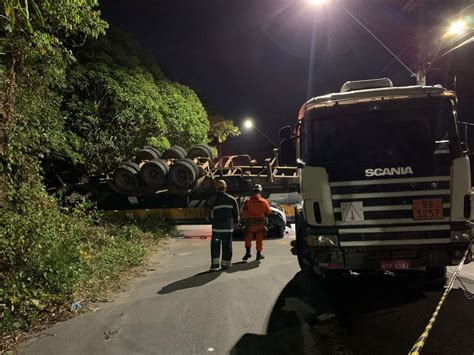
{"points": [[225, 264], [247, 254], [260, 256], [215, 267]]}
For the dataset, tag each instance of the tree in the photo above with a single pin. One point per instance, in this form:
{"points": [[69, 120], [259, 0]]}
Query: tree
{"points": [[119, 101], [35, 41], [221, 128]]}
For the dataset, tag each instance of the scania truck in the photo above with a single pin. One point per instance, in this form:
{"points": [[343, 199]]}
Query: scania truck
{"points": [[385, 180]]}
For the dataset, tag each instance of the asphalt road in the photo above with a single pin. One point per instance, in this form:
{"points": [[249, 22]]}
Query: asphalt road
{"points": [[261, 308]]}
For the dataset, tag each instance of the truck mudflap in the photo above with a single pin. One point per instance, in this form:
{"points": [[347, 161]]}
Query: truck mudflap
{"points": [[396, 258]]}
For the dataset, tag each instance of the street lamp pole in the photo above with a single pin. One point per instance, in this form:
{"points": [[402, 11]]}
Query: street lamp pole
{"points": [[265, 136], [249, 124]]}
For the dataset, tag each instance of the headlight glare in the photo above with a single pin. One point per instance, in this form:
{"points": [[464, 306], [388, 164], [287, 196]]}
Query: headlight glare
{"points": [[461, 236], [322, 240]]}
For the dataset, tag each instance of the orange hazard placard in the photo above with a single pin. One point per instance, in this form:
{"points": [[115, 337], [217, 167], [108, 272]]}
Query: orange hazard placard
{"points": [[431, 208]]}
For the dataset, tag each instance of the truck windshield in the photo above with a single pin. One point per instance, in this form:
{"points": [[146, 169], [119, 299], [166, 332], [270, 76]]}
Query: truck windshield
{"points": [[347, 143]]}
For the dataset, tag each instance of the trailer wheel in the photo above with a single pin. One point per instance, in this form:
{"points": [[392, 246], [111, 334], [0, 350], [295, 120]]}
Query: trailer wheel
{"points": [[154, 172], [126, 177], [148, 153], [197, 168], [183, 173], [200, 151], [175, 152], [157, 151]]}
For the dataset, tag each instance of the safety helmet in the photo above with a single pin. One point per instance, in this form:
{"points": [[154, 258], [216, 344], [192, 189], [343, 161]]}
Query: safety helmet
{"points": [[257, 188], [221, 185]]}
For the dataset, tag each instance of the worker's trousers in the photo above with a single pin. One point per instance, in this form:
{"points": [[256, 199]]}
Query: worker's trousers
{"points": [[259, 233], [223, 239]]}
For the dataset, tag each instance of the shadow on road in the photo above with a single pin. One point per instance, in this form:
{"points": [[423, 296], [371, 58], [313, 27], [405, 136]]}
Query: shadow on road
{"points": [[243, 266], [371, 314], [205, 277], [194, 281]]}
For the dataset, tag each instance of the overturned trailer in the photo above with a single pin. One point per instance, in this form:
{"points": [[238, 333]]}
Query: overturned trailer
{"points": [[176, 184]]}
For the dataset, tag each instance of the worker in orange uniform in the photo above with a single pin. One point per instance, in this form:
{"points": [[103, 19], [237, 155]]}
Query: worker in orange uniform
{"points": [[254, 214]]}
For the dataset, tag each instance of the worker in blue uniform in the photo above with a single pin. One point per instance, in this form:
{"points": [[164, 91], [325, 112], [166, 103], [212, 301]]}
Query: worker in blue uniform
{"points": [[225, 215]]}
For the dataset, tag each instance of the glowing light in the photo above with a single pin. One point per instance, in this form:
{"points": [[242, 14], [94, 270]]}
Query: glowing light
{"points": [[317, 2], [457, 27], [248, 123]]}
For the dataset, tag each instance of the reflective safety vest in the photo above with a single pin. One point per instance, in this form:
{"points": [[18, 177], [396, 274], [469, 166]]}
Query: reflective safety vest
{"points": [[225, 212]]}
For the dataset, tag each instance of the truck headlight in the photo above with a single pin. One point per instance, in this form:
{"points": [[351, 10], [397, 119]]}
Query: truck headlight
{"points": [[461, 236], [322, 240]]}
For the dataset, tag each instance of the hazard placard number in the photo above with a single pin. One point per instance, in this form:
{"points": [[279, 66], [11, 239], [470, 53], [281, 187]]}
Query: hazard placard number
{"points": [[428, 208]]}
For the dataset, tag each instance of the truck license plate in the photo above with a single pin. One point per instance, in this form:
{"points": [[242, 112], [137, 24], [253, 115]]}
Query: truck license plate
{"points": [[395, 264], [428, 208]]}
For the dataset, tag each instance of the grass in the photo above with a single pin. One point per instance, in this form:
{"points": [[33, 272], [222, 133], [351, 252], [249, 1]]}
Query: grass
{"points": [[51, 256]]}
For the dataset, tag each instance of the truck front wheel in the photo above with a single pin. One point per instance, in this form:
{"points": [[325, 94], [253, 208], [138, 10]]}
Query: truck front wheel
{"points": [[435, 278], [303, 251]]}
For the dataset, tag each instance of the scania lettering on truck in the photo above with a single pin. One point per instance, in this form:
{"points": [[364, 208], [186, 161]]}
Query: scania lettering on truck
{"points": [[385, 180]]}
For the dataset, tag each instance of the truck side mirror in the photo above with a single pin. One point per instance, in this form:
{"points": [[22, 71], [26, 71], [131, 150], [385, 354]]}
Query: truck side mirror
{"points": [[287, 147], [300, 164], [466, 145], [285, 133]]}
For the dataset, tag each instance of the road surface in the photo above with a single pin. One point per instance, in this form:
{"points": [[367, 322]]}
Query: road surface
{"points": [[266, 308]]}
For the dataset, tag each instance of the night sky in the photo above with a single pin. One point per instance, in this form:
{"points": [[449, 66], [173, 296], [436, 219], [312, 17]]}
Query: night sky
{"points": [[250, 57]]}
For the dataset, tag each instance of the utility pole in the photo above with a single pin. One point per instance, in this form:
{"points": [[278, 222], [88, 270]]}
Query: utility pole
{"points": [[422, 48]]}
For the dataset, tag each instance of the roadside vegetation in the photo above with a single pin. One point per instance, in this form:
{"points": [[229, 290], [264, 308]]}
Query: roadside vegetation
{"points": [[76, 98]]}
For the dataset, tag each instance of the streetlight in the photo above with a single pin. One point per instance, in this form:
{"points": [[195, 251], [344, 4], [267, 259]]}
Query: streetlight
{"points": [[456, 32], [317, 2], [249, 125], [457, 27]]}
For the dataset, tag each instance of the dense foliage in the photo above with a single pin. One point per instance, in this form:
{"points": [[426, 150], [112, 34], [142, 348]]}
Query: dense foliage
{"points": [[221, 128], [118, 100], [58, 255], [73, 101]]}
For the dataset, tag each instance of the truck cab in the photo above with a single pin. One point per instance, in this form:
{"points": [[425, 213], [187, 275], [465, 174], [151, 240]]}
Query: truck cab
{"points": [[385, 180]]}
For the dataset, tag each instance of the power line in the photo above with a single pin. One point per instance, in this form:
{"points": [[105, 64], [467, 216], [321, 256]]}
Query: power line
{"points": [[377, 39]]}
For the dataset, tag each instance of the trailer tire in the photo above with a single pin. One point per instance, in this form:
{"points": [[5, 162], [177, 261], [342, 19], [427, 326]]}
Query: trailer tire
{"points": [[175, 152], [183, 173], [148, 153], [126, 177], [200, 151], [154, 173]]}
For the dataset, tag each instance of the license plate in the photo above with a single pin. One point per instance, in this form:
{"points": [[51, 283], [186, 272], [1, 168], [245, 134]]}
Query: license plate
{"points": [[395, 265], [428, 208]]}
